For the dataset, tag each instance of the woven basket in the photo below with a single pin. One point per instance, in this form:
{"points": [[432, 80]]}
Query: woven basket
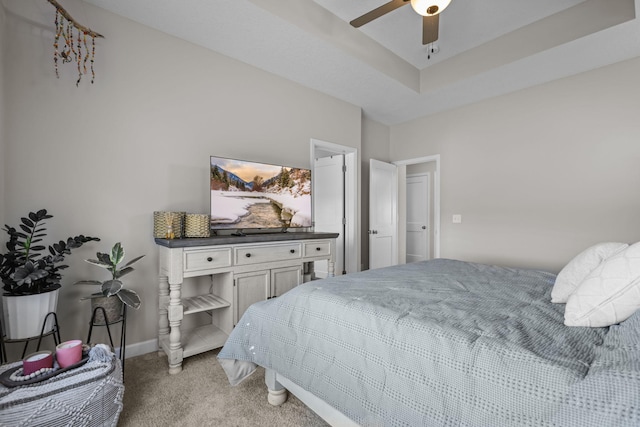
{"points": [[160, 226], [196, 225], [112, 307]]}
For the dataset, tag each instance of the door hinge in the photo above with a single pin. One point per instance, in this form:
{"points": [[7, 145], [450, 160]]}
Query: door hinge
{"points": [[344, 221], [344, 169]]}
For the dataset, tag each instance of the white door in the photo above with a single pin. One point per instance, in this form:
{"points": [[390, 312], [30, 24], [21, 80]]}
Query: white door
{"points": [[417, 218], [328, 206], [383, 214]]}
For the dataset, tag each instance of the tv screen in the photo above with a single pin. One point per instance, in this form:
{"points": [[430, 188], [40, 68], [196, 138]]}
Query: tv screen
{"points": [[250, 195]]}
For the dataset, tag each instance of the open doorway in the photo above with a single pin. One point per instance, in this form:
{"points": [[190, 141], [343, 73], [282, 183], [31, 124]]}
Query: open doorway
{"points": [[418, 231], [413, 192], [334, 172]]}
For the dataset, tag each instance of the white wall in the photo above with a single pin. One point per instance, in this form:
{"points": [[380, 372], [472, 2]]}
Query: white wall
{"points": [[540, 174], [101, 158]]}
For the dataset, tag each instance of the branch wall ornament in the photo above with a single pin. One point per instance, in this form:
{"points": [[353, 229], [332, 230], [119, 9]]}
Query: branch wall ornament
{"points": [[76, 46]]}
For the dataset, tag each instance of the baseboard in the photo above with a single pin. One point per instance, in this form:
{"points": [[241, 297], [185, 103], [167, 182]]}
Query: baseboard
{"points": [[140, 348]]}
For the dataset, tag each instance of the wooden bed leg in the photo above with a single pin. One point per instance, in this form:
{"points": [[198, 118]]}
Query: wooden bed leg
{"points": [[277, 393]]}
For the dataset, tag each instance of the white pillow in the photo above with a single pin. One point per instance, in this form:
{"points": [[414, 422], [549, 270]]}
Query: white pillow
{"points": [[610, 294], [579, 268]]}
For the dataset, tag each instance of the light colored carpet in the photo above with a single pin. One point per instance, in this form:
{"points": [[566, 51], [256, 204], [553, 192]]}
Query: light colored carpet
{"points": [[201, 396]]}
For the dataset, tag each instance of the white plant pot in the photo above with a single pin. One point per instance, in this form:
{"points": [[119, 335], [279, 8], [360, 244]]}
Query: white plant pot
{"points": [[23, 315]]}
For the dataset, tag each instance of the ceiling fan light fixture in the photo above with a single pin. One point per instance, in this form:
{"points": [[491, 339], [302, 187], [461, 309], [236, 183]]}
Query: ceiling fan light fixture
{"points": [[429, 7]]}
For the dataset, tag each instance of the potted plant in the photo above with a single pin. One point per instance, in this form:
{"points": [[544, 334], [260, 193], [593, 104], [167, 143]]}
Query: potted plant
{"points": [[112, 294], [31, 279]]}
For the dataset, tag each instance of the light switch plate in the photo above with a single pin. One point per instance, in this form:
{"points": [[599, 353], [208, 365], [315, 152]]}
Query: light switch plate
{"points": [[457, 219]]}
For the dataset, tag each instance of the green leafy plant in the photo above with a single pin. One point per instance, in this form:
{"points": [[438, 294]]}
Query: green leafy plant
{"points": [[114, 285], [24, 268]]}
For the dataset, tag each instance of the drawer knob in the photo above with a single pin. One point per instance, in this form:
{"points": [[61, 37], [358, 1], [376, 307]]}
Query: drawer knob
{"points": [[248, 255], [318, 249], [209, 259], [293, 251]]}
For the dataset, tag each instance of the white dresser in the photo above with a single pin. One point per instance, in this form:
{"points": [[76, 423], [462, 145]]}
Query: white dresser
{"points": [[243, 270]]}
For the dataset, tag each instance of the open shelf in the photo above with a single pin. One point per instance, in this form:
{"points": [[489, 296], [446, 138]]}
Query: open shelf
{"points": [[198, 340], [203, 303]]}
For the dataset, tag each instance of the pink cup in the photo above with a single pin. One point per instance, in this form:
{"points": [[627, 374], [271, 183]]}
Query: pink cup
{"points": [[69, 353], [37, 361]]}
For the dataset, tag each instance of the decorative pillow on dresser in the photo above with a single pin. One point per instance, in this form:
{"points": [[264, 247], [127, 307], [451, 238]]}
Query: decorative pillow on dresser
{"points": [[609, 294], [574, 273]]}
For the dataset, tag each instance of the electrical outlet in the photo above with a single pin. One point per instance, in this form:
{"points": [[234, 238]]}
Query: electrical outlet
{"points": [[457, 219]]}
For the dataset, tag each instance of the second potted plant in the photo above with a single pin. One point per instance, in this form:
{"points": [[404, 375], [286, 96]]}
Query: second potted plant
{"points": [[112, 294]]}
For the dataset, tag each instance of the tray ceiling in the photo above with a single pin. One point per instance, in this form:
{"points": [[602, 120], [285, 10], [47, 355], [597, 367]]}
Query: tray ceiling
{"points": [[485, 48]]}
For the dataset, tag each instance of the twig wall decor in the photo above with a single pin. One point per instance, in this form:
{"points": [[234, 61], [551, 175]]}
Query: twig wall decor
{"points": [[76, 46]]}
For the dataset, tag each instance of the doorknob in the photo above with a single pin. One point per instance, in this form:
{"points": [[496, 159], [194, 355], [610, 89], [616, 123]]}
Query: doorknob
{"points": [[424, 227]]}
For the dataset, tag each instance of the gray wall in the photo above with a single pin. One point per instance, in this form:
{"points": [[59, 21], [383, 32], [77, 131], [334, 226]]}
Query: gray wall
{"points": [[537, 175], [3, 157], [101, 158]]}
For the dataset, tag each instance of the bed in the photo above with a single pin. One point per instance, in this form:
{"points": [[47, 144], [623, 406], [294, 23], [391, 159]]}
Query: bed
{"points": [[439, 343]]}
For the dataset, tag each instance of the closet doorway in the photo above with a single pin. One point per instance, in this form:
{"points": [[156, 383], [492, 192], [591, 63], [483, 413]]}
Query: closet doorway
{"points": [[334, 171]]}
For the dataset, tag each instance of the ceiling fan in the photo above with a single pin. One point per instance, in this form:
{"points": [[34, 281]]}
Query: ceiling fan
{"points": [[429, 9]]}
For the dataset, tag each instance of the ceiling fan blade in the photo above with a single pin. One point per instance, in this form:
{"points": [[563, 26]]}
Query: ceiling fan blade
{"points": [[430, 25], [378, 12]]}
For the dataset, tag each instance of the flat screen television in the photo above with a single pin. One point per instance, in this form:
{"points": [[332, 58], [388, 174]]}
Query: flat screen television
{"points": [[249, 195]]}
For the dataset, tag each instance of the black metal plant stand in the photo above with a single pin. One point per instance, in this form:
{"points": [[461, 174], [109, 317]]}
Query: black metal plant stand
{"points": [[122, 319], [55, 332]]}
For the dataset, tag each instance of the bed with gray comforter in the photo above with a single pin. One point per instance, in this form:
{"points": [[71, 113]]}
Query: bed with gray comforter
{"points": [[443, 343]]}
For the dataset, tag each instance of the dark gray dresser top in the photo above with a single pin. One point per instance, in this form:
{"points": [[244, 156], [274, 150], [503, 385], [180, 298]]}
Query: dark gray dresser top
{"points": [[235, 240]]}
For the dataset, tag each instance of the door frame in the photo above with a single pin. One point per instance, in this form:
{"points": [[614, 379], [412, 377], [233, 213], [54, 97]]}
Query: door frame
{"points": [[402, 218], [321, 148], [330, 168]]}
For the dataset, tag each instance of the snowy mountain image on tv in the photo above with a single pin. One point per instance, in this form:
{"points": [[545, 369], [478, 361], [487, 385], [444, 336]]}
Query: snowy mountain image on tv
{"points": [[248, 195]]}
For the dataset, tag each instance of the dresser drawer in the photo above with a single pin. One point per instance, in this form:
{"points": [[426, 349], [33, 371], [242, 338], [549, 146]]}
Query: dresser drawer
{"points": [[258, 254], [206, 259], [319, 248]]}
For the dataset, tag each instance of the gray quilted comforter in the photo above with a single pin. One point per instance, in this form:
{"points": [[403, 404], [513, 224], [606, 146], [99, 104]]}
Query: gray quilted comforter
{"points": [[443, 343]]}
